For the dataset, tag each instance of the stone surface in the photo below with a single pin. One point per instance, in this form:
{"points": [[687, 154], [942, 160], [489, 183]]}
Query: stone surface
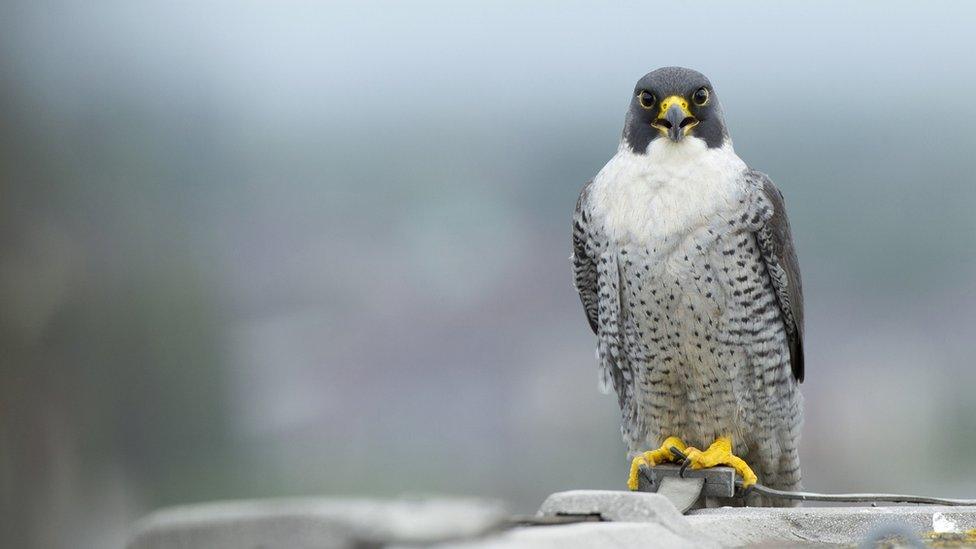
{"points": [[661, 521], [822, 525], [642, 520], [318, 523], [615, 506], [586, 535], [736, 527]]}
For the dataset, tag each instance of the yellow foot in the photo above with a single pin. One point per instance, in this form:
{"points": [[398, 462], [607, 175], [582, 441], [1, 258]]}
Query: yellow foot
{"points": [[720, 453], [652, 458]]}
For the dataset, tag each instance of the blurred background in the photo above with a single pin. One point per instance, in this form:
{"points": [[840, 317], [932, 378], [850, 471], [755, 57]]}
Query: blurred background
{"points": [[272, 249]]}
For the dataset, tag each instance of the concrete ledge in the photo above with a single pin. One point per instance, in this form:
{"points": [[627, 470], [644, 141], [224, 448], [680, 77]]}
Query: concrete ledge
{"points": [[641, 519], [316, 523], [587, 535], [662, 522], [615, 506], [744, 526], [825, 525]]}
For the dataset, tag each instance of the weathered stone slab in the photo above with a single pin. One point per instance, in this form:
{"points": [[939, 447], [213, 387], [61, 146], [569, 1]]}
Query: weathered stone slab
{"points": [[614, 505], [824, 525], [641, 520], [587, 535], [316, 523], [620, 506]]}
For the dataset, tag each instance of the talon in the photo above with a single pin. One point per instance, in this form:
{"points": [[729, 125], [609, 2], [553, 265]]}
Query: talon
{"points": [[688, 461], [651, 458], [720, 453]]}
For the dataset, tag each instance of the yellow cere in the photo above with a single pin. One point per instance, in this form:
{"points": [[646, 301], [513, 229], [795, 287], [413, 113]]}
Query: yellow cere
{"points": [[672, 100]]}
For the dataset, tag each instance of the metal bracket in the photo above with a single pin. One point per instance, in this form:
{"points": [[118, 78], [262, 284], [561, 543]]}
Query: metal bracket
{"points": [[687, 490]]}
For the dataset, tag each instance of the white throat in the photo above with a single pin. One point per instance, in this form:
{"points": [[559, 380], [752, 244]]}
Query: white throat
{"points": [[671, 190]]}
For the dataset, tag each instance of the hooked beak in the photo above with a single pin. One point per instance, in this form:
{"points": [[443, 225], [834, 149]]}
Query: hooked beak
{"points": [[675, 119]]}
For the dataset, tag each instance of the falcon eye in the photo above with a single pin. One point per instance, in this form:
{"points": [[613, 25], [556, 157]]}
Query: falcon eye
{"points": [[701, 97], [646, 99]]}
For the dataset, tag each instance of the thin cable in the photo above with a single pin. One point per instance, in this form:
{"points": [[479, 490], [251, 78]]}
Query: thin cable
{"points": [[856, 498], [845, 498], [552, 520]]}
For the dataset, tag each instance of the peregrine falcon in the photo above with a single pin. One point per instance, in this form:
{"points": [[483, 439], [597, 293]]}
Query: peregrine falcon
{"points": [[684, 262]]}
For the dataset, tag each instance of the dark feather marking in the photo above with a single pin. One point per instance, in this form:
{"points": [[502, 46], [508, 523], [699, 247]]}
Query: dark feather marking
{"points": [[776, 245]]}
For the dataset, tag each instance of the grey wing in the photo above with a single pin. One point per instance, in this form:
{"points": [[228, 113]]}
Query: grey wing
{"points": [[584, 261], [602, 298], [776, 244]]}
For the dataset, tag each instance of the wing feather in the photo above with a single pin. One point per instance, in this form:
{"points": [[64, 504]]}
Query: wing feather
{"points": [[584, 262], [779, 253]]}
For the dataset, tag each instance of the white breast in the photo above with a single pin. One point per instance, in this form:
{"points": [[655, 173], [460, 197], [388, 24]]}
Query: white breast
{"points": [[671, 190]]}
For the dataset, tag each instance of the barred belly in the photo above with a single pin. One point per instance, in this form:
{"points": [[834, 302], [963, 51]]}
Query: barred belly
{"points": [[706, 347]]}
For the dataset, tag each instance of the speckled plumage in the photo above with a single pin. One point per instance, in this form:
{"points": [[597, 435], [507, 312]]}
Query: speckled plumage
{"points": [[684, 263]]}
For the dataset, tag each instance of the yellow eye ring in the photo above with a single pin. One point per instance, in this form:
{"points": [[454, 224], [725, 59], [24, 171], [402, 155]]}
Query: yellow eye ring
{"points": [[701, 96], [646, 99]]}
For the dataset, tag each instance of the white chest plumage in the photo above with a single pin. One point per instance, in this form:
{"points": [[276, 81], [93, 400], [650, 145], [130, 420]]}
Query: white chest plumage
{"points": [[670, 191]]}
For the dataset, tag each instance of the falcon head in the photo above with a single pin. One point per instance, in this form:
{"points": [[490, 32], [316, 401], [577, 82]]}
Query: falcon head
{"points": [[675, 104]]}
